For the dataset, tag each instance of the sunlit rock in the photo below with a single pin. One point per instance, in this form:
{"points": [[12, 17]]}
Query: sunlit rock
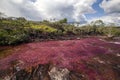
{"points": [[59, 74]]}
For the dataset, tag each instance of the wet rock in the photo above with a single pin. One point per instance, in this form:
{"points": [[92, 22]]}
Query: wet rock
{"points": [[59, 74], [118, 54], [17, 65], [76, 76], [6, 78], [41, 72]]}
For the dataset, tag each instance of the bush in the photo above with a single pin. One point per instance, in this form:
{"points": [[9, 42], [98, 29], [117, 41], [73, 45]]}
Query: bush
{"points": [[12, 38]]}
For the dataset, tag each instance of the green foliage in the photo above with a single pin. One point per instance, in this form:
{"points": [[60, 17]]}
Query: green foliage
{"points": [[18, 30], [69, 30], [12, 37], [44, 28], [63, 21], [12, 32], [97, 23], [112, 31]]}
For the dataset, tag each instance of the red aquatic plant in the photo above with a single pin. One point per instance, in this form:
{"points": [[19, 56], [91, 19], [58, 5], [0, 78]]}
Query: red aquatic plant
{"points": [[75, 55]]}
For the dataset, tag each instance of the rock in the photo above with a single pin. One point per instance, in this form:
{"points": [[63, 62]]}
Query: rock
{"points": [[59, 74], [17, 65], [6, 78], [118, 54]]}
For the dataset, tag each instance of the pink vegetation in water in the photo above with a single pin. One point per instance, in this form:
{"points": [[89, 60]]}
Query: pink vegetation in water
{"points": [[71, 54]]}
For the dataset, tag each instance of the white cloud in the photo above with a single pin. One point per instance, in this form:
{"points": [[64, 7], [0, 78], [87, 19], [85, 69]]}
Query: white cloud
{"points": [[72, 9], [17, 1], [112, 10], [19, 8], [111, 18], [81, 8], [111, 6], [8, 8], [43, 9]]}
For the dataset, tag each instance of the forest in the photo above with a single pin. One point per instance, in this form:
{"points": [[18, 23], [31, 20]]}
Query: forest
{"points": [[15, 30]]}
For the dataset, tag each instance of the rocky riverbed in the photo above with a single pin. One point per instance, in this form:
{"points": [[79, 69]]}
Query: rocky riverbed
{"points": [[84, 59]]}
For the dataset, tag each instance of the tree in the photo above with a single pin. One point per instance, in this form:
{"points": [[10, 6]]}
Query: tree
{"points": [[63, 20], [21, 18], [97, 23]]}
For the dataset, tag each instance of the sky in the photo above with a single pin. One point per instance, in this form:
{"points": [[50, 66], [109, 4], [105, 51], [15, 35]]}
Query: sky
{"points": [[82, 11]]}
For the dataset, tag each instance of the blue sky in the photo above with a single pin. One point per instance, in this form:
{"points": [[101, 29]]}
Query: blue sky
{"points": [[99, 11], [82, 11]]}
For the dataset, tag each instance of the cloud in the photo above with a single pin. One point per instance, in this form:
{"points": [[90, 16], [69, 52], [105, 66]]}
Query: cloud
{"points": [[74, 10], [19, 8], [108, 19], [8, 8], [111, 6], [112, 10]]}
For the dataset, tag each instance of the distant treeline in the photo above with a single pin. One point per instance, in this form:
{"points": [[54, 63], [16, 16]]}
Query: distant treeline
{"points": [[19, 30]]}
